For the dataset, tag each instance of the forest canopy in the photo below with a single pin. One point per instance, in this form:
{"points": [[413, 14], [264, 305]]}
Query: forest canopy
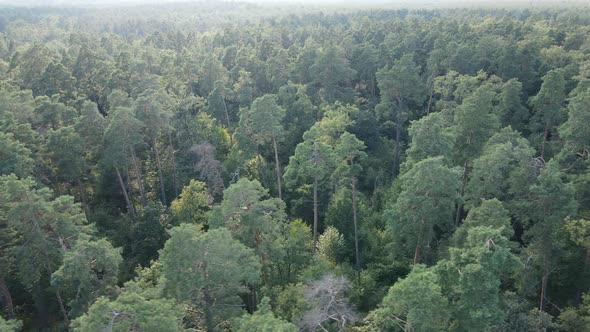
{"points": [[227, 166]]}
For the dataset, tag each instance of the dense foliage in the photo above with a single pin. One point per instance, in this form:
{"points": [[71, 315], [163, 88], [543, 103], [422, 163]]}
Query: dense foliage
{"points": [[230, 167]]}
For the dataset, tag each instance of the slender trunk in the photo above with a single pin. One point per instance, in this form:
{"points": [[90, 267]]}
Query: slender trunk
{"points": [[398, 135], [139, 179], [174, 179], [460, 205], [208, 313], [41, 306], [586, 274], [62, 308], [277, 166], [315, 214], [417, 251], [259, 166], [83, 199], [545, 136], [7, 298], [356, 233], [127, 201], [544, 283], [159, 166], [227, 119], [429, 100]]}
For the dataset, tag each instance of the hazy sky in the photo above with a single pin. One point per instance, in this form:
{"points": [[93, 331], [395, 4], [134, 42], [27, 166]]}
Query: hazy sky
{"points": [[319, 2]]}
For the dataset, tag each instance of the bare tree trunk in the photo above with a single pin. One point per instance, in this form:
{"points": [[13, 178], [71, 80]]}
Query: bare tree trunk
{"points": [[62, 308], [356, 233], [398, 135], [545, 136], [259, 166], [139, 179], [429, 100], [544, 283], [159, 166], [277, 166], [7, 298], [315, 214], [417, 251], [127, 201], [208, 313], [174, 179], [460, 205], [83, 198], [41, 306]]}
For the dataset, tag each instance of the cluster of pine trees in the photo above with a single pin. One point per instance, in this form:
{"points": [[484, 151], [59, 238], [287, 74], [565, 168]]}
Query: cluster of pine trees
{"points": [[240, 168]]}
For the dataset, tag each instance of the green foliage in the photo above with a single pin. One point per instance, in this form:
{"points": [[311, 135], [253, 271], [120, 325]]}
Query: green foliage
{"points": [[414, 303], [10, 325], [193, 204], [207, 270], [263, 320], [89, 270], [424, 206], [130, 311]]}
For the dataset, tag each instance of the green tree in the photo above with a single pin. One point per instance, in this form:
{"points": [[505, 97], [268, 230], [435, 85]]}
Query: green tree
{"points": [[475, 122], [193, 204], [429, 137], [505, 170], [44, 228], [130, 311], [88, 270], [15, 157], [547, 107], [313, 160], [480, 259], [428, 194], [399, 85], [207, 270], [252, 218], [576, 319], [122, 136], [512, 112], [66, 151], [349, 153], [10, 325], [332, 75], [264, 121], [154, 110], [263, 320], [415, 303], [551, 201]]}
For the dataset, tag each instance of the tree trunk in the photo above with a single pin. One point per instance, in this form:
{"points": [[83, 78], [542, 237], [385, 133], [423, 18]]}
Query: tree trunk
{"points": [[227, 119], [398, 135], [259, 166], [139, 179], [208, 313], [7, 298], [83, 199], [460, 205], [430, 100], [356, 234], [174, 179], [543, 292], [277, 166], [127, 201], [545, 136], [417, 251], [62, 308], [315, 214], [159, 166], [41, 306]]}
